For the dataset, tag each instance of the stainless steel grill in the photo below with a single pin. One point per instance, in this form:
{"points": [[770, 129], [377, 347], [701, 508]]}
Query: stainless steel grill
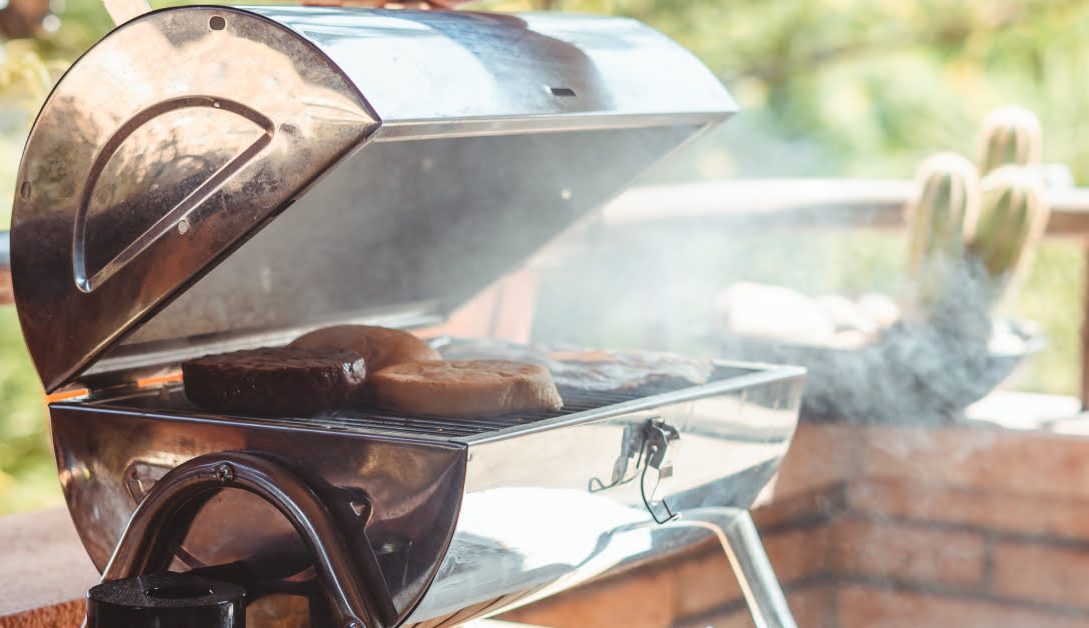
{"points": [[235, 176]]}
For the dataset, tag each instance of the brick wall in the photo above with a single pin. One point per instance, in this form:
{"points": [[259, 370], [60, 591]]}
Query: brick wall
{"points": [[886, 527]]}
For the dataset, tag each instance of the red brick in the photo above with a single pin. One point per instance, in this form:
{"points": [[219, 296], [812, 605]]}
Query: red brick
{"points": [[640, 599], [786, 509], [1042, 573], [1048, 516], [66, 615], [812, 607], [1020, 462], [706, 581], [799, 553], [908, 553], [819, 456], [867, 607]]}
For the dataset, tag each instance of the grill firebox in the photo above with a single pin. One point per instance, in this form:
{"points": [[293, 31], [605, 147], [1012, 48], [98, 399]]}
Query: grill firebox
{"points": [[464, 517]]}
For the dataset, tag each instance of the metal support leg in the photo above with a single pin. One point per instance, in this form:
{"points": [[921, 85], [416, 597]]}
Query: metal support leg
{"points": [[737, 533]]}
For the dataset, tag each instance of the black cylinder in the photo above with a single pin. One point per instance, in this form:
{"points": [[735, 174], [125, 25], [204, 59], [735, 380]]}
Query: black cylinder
{"points": [[166, 600]]}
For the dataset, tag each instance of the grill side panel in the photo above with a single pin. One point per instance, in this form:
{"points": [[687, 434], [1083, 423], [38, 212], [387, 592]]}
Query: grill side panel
{"points": [[108, 459], [542, 511]]}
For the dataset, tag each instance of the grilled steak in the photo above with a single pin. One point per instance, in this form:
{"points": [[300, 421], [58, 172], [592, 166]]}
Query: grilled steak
{"points": [[379, 346], [275, 382]]}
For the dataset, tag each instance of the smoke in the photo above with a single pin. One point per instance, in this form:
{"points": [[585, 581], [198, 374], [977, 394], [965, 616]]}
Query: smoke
{"points": [[655, 287]]}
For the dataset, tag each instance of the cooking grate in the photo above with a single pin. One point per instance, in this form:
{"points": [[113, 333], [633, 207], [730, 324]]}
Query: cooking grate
{"points": [[575, 401], [172, 400]]}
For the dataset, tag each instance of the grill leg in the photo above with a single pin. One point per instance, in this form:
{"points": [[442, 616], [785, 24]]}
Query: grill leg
{"points": [[741, 542]]}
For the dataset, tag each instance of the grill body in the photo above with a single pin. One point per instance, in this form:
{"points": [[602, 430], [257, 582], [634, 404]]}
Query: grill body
{"points": [[466, 518]]}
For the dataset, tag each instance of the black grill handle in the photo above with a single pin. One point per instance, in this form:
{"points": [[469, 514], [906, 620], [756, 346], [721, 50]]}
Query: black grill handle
{"points": [[163, 517]]}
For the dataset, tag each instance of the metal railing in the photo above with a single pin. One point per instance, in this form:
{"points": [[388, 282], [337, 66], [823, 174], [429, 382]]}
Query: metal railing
{"points": [[839, 204]]}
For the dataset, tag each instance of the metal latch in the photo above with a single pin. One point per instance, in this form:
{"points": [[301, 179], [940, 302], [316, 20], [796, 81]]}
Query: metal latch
{"points": [[661, 448], [652, 445]]}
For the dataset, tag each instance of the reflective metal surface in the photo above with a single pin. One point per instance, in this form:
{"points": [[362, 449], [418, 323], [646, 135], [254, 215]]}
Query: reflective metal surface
{"points": [[535, 519], [349, 576], [400, 495], [163, 148], [444, 148], [462, 524]]}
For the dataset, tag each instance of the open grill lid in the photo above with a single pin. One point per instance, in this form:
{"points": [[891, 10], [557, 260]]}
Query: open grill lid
{"points": [[210, 178]]}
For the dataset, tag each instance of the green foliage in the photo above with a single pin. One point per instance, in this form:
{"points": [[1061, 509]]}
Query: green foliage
{"points": [[940, 218], [1013, 215], [28, 477]]}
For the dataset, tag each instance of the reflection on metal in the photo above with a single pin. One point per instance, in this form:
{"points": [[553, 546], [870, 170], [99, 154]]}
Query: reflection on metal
{"points": [[349, 576], [632, 445], [126, 136], [232, 176], [88, 280], [463, 523], [652, 445]]}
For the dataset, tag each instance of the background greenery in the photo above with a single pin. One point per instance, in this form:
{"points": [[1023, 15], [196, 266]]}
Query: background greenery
{"points": [[828, 88]]}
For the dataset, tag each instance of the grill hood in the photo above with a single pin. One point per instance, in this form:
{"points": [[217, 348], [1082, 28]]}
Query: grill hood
{"points": [[212, 178]]}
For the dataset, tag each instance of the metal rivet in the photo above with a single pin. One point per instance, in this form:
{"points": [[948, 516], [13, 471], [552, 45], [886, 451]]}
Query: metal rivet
{"points": [[183, 227], [24, 190], [224, 472], [217, 23]]}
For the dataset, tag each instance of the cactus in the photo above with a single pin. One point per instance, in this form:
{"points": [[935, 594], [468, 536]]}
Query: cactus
{"points": [[1013, 216], [1010, 135], [940, 217]]}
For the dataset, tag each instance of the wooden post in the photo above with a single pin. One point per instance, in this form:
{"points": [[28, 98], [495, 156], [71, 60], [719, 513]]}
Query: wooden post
{"points": [[1085, 329]]}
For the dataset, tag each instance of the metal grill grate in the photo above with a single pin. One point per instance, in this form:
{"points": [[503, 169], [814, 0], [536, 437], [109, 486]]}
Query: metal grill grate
{"points": [[574, 401], [172, 400]]}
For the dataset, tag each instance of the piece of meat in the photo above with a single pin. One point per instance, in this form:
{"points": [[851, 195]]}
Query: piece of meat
{"points": [[465, 388], [275, 381], [595, 370], [379, 346]]}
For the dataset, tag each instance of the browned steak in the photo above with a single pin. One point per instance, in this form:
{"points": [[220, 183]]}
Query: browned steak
{"points": [[275, 382]]}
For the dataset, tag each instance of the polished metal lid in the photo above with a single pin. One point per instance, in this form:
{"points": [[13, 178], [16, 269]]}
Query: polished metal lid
{"points": [[210, 178]]}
